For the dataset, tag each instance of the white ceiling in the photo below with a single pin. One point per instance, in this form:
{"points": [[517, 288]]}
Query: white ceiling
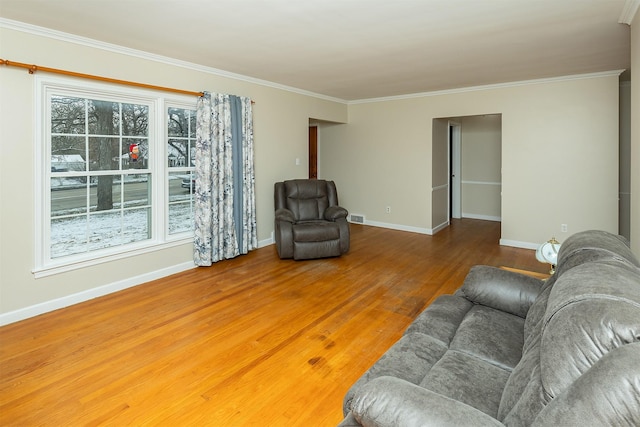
{"points": [[357, 49]]}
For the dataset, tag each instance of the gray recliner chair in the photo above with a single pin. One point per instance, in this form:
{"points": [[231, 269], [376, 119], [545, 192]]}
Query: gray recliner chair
{"points": [[308, 221]]}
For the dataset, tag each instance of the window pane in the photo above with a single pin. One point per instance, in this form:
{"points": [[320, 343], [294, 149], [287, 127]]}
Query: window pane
{"points": [[181, 186], [192, 124], [192, 153], [179, 122], [104, 191], [68, 236], [137, 190], [135, 153], [105, 229], [68, 196], [103, 153], [180, 217], [178, 153], [104, 117], [135, 120], [67, 115], [181, 198], [136, 225], [67, 153]]}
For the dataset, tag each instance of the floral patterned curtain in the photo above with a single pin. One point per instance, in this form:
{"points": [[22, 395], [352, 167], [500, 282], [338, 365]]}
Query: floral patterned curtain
{"points": [[225, 208]]}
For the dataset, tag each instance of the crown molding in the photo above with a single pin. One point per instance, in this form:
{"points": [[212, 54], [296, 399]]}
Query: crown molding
{"points": [[491, 86], [97, 44], [629, 11]]}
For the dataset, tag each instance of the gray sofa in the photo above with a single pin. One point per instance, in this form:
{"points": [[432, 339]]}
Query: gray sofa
{"points": [[509, 349]]}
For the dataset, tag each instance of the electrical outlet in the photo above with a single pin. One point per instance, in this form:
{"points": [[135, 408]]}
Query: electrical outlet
{"points": [[388, 209], [564, 228]]}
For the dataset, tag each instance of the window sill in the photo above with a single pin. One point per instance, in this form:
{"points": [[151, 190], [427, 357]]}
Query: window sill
{"points": [[78, 263]]}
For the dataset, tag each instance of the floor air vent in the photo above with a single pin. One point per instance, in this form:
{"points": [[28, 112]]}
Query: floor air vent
{"points": [[357, 218]]}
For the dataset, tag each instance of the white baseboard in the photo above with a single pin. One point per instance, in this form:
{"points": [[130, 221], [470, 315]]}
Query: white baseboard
{"points": [[440, 227], [266, 242], [516, 244], [484, 217], [399, 227], [69, 300]]}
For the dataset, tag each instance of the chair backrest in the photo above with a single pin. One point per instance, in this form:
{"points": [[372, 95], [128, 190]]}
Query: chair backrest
{"points": [[306, 198]]}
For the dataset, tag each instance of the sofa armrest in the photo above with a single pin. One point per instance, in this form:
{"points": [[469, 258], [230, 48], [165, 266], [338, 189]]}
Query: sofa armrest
{"points": [[285, 215], [349, 421], [333, 213], [501, 289], [390, 401]]}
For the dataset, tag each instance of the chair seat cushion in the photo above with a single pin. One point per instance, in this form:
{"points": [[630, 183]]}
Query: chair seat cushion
{"points": [[315, 231]]}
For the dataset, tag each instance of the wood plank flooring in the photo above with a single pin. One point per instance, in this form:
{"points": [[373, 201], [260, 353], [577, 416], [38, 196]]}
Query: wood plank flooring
{"points": [[253, 341]]}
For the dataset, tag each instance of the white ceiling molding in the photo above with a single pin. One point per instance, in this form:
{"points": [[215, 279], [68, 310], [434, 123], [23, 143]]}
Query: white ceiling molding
{"points": [[629, 11], [97, 44]]}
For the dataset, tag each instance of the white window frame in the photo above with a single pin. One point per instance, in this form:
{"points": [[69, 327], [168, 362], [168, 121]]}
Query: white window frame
{"points": [[158, 168]]}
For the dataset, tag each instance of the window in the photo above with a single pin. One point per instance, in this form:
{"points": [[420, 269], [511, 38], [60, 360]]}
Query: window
{"points": [[181, 144], [116, 169]]}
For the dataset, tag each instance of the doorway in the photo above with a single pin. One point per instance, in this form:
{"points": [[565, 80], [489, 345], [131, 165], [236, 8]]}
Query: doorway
{"points": [[313, 152], [466, 169]]}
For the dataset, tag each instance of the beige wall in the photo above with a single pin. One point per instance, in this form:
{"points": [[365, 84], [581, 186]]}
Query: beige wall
{"points": [[481, 164], [559, 156], [635, 134], [281, 120]]}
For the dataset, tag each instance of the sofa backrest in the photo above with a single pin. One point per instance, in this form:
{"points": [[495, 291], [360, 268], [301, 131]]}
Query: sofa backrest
{"points": [[306, 198], [593, 245], [590, 309]]}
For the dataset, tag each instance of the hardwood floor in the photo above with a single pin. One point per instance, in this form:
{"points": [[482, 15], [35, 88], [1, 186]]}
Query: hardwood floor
{"points": [[253, 341]]}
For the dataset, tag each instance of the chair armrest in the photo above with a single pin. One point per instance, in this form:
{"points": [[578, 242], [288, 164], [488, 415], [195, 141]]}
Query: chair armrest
{"points": [[501, 289], [390, 401], [333, 213], [285, 215]]}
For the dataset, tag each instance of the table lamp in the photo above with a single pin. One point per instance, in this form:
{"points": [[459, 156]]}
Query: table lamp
{"points": [[548, 253]]}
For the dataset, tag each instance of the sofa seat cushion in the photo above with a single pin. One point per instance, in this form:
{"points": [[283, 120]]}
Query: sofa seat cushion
{"points": [[468, 379], [453, 333], [442, 318], [491, 335], [315, 231]]}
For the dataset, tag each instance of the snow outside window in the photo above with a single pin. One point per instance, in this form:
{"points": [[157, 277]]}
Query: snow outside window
{"points": [[116, 172]]}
